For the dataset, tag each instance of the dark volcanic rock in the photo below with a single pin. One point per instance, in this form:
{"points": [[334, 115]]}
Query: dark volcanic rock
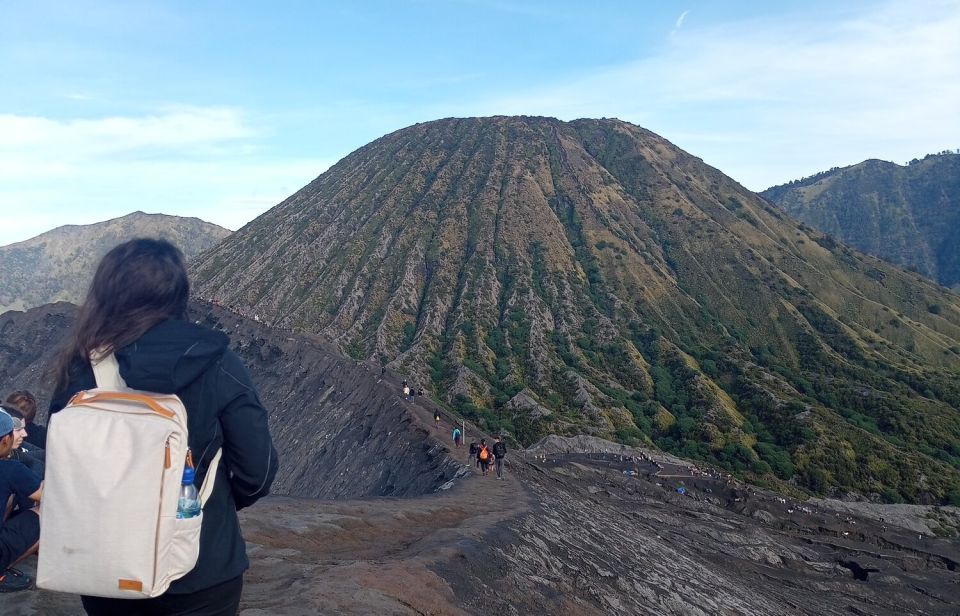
{"points": [[341, 429], [598, 541], [568, 532]]}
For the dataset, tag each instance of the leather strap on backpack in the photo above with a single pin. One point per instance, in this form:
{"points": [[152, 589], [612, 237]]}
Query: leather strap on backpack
{"points": [[106, 370]]}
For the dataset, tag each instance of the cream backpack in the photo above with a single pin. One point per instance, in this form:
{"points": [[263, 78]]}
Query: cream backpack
{"points": [[108, 513]]}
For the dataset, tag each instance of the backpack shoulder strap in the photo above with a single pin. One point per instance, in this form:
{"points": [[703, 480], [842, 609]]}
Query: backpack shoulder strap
{"points": [[106, 370], [210, 478]]}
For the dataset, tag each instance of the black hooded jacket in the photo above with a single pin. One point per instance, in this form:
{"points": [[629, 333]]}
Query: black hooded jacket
{"points": [[223, 410]]}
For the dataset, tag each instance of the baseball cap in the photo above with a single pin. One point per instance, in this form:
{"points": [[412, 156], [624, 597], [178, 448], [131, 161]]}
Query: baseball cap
{"points": [[8, 423]]}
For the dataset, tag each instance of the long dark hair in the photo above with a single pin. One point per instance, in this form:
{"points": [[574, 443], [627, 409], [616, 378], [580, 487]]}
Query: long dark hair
{"points": [[137, 285], [25, 401]]}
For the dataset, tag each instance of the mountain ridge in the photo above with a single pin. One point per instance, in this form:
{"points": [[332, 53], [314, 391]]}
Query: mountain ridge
{"points": [[58, 264], [625, 288], [383, 515], [908, 215]]}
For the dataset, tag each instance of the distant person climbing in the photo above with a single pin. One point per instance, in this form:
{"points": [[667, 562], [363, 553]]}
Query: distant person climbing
{"points": [[474, 450], [457, 437], [483, 455], [436, 419], [406, 392], [19, 532], [499, 453]]}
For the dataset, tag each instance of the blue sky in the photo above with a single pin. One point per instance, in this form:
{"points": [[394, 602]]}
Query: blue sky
{"points": [[222, 109]]}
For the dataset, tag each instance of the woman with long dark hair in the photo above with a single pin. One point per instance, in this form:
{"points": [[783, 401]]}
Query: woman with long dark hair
{"points": [[136, 308]]}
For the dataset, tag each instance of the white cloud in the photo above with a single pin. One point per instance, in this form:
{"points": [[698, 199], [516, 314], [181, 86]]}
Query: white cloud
{"points": [[800, 91], [228, 193], [766, 100], [188, 161], [81, 139]]}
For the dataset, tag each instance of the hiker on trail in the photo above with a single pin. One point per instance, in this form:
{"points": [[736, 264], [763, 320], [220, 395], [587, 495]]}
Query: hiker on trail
{"points": [[483, 455], [474, 450], [499, 452], [436, 418], [27, 404], [137, 309], [456, 437], [406, 392], [24, 452], [19, 532]]}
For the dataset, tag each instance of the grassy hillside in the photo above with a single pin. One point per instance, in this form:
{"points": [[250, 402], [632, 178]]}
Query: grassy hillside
{"points": [[908, 215], [590, 277], [58, 265]]}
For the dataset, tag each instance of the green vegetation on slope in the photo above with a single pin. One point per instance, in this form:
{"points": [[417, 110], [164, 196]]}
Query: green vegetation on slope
{"points": [[590, 277], [59, 264], [908, 215]]}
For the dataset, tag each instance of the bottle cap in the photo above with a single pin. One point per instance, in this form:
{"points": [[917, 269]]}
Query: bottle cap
{"points": [[188, 474]]}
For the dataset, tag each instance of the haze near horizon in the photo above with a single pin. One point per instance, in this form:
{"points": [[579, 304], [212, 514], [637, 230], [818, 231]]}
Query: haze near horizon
{"points": [[221, 112]]}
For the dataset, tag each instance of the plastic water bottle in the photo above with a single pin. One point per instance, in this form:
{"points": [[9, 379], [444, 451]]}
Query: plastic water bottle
{"points": [[189, 504]]}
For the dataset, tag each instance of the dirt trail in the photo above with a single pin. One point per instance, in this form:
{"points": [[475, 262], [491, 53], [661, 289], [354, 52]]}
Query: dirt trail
{"points": [[365, 556], [375, 555], [580, 526], [345, 435], [577, 533]]}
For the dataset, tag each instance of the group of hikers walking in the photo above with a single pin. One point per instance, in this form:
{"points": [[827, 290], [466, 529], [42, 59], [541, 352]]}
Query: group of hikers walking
{"points": [[133, 372], [410, 392], [485, 455]]}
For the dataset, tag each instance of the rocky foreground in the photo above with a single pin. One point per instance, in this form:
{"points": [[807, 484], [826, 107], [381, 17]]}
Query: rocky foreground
{"points": [[572, 533], [397, 523]]}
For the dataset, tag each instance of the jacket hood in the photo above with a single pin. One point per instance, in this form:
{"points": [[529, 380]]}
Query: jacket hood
{"points": [[170, 356]]}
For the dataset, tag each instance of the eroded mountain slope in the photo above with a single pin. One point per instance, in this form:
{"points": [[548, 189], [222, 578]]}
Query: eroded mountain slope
{"points": [[590, 277], [906, 214], [341, 431], [58, 265]]}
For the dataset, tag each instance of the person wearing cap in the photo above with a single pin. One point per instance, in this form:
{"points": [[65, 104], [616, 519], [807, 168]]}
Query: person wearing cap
{"points": [[23, 451], [20, 532], [27, 403]]}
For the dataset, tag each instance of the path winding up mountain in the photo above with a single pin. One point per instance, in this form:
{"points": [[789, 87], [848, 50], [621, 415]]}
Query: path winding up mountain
{"points": [[579, 526], [590, 277]]}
